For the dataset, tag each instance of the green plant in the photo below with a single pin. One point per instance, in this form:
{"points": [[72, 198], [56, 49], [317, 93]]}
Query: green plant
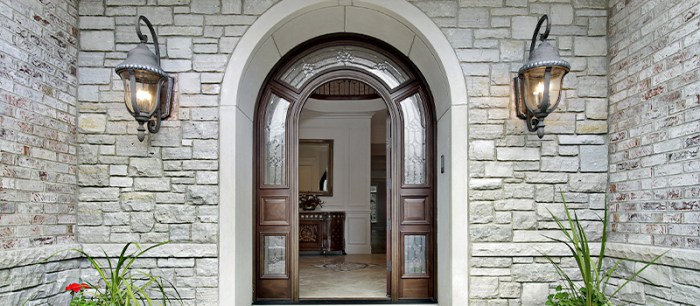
{"points": [[594, 278], [122, 285]]}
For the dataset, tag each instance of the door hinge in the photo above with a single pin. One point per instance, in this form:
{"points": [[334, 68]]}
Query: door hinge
{"points": [[388, 265]]}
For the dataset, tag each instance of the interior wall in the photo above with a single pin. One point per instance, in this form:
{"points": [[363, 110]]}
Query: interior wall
{"points": [[351, 136]]}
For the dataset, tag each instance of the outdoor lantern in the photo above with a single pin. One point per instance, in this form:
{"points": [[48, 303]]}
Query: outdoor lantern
{"points": [[147, 88], [539, 82]]}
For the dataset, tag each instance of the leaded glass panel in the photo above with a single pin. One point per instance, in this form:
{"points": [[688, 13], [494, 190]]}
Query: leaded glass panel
{"points": [[344, 56], [275, 263], [274, 148], [414, 254], [414, 141]]}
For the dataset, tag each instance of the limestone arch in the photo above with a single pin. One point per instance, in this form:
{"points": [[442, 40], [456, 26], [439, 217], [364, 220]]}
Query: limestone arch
{"points": [[278, 30]]}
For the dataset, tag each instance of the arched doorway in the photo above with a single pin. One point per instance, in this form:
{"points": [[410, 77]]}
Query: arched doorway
{"points": [[289, 23], [411, 251]]}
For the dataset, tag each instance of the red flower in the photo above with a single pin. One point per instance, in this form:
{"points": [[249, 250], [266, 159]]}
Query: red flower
{"points": [[75, 287]]}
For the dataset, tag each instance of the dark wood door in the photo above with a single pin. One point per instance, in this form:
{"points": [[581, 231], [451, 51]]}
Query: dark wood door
{"points": [[410, 159]]}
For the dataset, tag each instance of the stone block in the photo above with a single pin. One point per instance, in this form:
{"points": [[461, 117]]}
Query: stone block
{"points": [[97, 40], [459, 38], [518, 154], [483, 287], [93, 175], [205, 232], [231, 6], [96, 23], [592, 86], [522, 27], [91, 8], [512, 51], [142, 222], [490, 232], [559, 164], [207, 267], [482, 150], [206, 6], [175, 213], [207, 195], [138, 201], [534, 293], [92, 123], [514, 204], [98, 194], [179, 47], [592, 127], [189, 83], [524, 220], [151, 184], [485, 184], [200, 130], [91, 234], [205, 149], [480, 212], [99, 76], [209, 62], [145, 167], [158, 15], [590, 46], [594, 158], [588, 182], [562, 14], [473, 18]]}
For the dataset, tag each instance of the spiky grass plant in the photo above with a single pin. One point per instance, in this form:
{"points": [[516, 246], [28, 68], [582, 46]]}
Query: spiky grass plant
{"points": [[594, 277], [123, 286]]}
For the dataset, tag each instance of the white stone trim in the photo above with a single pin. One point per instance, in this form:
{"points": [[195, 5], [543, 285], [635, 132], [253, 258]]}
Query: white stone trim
{"points": [[682, 258]]}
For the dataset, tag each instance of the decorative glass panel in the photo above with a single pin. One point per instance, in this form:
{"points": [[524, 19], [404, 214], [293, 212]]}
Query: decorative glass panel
{"points": [[274, 257], [414, 254], [344, 56], [274, 147], [414, 141]]}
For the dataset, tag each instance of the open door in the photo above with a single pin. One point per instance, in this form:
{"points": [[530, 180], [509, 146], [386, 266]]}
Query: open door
{"points": [[410, 163]]}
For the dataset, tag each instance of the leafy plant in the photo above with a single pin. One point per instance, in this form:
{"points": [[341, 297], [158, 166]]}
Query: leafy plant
{"points": [[595, 278], [121, 286]]}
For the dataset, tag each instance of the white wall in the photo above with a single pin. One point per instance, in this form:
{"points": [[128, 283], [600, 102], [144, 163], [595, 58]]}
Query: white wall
{"points": [[351, 135]]}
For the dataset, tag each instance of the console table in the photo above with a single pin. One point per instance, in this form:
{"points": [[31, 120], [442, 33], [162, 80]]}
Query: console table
{"points": [[322, 232]]}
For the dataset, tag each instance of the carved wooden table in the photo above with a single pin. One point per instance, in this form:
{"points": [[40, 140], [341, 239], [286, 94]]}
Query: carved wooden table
{"points": [[322, 232]]}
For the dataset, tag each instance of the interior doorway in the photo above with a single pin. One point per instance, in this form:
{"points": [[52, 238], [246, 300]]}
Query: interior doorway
{"points": [[281, 226], [340, 127]]}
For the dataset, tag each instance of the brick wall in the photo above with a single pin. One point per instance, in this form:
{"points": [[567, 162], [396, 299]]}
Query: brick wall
{"points": [[514, 176], [38, 85], [654, 139]]}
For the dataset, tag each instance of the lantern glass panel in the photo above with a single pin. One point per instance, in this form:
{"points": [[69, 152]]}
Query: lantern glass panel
{"points": [[534, 88], [146, 87]]}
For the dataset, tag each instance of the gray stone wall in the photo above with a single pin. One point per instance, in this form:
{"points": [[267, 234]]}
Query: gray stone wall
{"points": [[165, 188], [38, 85], [515, 178], [654, 139]]}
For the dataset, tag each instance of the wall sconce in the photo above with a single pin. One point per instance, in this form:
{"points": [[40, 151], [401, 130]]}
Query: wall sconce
{"points": [[539, 81], [148, 90]]}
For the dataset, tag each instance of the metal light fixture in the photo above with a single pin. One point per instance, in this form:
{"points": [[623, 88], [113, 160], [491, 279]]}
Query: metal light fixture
{"points": [[148, 90], [539, 82]]}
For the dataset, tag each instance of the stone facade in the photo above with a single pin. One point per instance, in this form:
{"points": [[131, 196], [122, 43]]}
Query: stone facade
{"points": [[653, 191], [38, 150], [79, 166]]}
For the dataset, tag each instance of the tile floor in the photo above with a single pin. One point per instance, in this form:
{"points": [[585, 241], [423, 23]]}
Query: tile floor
{"points": [[356, 276]]}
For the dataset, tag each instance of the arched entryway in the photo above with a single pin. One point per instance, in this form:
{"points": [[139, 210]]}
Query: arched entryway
{"points": [[411, 149], [278, 30]]}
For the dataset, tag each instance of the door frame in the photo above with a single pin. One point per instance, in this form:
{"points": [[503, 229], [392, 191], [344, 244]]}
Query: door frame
{"points": [[415, 85]]}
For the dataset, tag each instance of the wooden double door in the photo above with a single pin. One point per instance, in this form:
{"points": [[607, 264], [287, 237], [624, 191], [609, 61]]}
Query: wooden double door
{"points": [[410, 163]]}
